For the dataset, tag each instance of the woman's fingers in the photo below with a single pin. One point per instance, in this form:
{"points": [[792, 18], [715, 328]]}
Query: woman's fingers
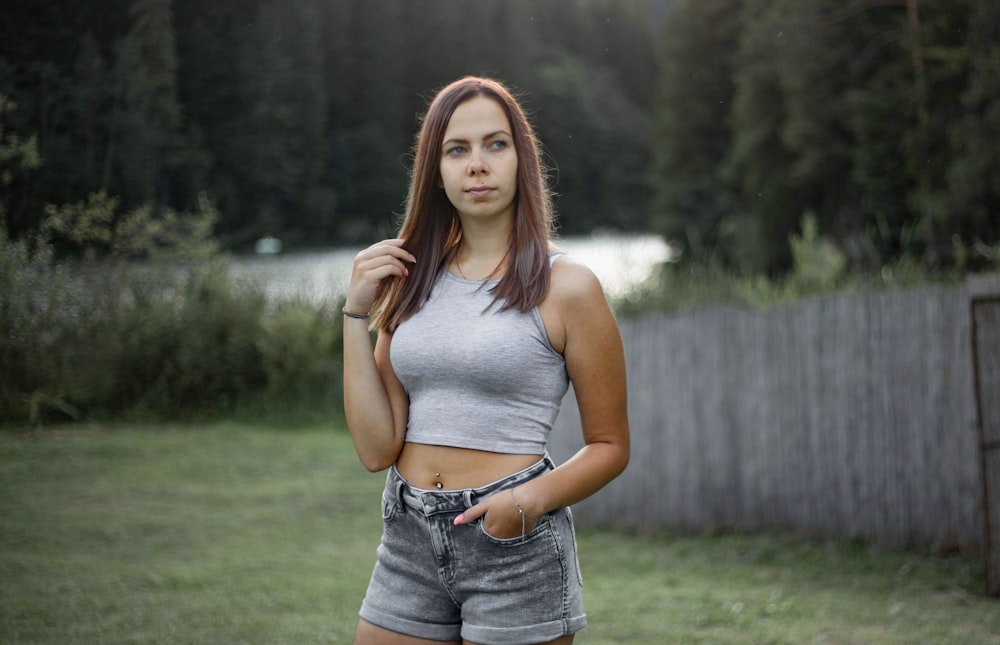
{"points": [[386, 248], [499, 519], [383, 254], [380, 266], [374, 264]]}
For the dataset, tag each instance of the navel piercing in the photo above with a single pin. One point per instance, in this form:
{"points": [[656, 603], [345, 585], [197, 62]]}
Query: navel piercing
{"points": [[438, 485]]}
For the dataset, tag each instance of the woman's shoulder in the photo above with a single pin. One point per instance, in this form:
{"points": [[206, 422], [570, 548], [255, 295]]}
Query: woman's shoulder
{"points": [[577, 309], [573, 283]]}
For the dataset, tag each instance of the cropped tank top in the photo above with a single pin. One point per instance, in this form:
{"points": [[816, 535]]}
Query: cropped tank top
{"points": [[477, 377]]}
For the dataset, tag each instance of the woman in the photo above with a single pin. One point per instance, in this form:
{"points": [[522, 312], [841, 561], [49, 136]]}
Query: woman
{"points": [[481, 325]]}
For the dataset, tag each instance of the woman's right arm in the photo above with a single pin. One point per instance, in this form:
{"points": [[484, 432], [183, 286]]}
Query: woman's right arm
{"points": [[375, 402]]}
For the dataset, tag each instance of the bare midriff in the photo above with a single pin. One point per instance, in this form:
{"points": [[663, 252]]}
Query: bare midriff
{"points": [[448, 468]]}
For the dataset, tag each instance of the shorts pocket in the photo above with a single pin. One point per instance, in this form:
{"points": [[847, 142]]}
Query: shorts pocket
{"points": [[572, 542], [389, 505], [540, 527]]}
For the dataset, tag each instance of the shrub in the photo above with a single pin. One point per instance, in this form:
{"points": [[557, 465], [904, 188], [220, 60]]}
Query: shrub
{"points": [[45, 325], [301, 351], [94, 229], [154, 340]]}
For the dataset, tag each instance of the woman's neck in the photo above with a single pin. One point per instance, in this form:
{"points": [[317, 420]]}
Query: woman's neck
{"points": [[482, 252]]}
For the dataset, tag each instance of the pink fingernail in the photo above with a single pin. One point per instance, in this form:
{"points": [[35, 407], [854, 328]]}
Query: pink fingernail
{"points": [[459, 519]]}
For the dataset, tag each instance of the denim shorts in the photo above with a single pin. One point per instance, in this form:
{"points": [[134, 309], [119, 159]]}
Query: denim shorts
{"points": [[439, 581]]}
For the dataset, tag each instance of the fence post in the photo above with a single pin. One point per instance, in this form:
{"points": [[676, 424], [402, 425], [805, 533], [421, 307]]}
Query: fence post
{"points": [[985, 335]]}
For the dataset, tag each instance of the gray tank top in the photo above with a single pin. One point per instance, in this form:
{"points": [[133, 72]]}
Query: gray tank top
{"points": [[477, 377]]}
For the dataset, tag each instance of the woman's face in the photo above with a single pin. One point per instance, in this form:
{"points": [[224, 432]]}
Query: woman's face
{"points": [[478, 160]]}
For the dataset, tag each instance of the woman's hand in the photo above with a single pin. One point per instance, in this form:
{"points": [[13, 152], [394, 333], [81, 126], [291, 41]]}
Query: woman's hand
{"points": [[375, 402], [500, 515], [379, 261]]}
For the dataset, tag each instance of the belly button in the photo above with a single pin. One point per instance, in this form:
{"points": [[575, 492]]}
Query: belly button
{"points": [[438, 485]]}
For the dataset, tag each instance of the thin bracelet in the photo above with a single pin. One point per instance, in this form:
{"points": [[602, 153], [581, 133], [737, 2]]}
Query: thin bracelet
{"points": [[351, 314], [524, 516]]}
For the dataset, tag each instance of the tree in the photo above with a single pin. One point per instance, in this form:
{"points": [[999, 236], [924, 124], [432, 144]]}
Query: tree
{"points": [[620, 37], [18, 155], [147, 122], [285, 125], [373, 115], [90, 100], [693, 202], [211, 41], [973, 175], [901, 129], [587, 120]]}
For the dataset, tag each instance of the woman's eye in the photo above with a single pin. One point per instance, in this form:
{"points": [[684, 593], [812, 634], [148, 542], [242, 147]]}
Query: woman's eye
{"points": [[498, 145], [455, 150]]}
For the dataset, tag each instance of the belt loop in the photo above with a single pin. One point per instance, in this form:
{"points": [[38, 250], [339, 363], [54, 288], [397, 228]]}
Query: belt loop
{"points": [[400, 505], [467, 497]]}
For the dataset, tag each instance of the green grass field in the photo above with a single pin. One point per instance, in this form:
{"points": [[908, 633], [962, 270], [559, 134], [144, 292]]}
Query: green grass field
{"points": [[242, 534]]}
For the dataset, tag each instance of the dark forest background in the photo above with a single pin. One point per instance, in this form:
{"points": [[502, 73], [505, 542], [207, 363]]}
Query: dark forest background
{"points": [[729, 126]]}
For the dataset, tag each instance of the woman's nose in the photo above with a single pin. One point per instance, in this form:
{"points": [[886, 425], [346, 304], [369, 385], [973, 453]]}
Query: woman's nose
{"points": [[477, 164]]}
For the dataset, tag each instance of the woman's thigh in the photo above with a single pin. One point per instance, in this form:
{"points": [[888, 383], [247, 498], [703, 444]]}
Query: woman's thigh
{"points": [[562, 640], [368, 634]]}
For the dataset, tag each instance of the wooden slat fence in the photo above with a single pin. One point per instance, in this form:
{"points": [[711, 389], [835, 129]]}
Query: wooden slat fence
{"points": [[851, 416]]}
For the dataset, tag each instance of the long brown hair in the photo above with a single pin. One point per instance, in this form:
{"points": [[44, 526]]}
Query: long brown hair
{"points": [[431, 226]]}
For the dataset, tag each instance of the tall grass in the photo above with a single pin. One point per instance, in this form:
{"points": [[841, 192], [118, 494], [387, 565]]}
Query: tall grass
{"points": [[157, 340], [818, 268]]}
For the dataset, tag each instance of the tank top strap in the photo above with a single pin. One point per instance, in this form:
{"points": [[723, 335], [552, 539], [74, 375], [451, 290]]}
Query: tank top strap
{"points": [[555, 255]]}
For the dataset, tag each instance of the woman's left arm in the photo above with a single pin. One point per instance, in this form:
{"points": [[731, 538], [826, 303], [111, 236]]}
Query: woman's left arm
{"points": [[595, 361], [582, 325]]}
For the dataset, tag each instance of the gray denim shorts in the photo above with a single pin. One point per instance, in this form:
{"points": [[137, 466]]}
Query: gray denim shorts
{"points": [[439, 581]]}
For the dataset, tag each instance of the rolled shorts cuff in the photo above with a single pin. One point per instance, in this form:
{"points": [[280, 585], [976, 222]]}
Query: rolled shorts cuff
{"points": [[451, 632], [542, 633]]}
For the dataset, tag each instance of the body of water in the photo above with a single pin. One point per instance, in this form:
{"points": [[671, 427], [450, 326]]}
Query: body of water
{"points": [[622, 262]]}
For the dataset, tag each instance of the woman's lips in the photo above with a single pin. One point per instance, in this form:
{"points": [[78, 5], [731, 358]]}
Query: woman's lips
{"points": [[479, 191]]}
